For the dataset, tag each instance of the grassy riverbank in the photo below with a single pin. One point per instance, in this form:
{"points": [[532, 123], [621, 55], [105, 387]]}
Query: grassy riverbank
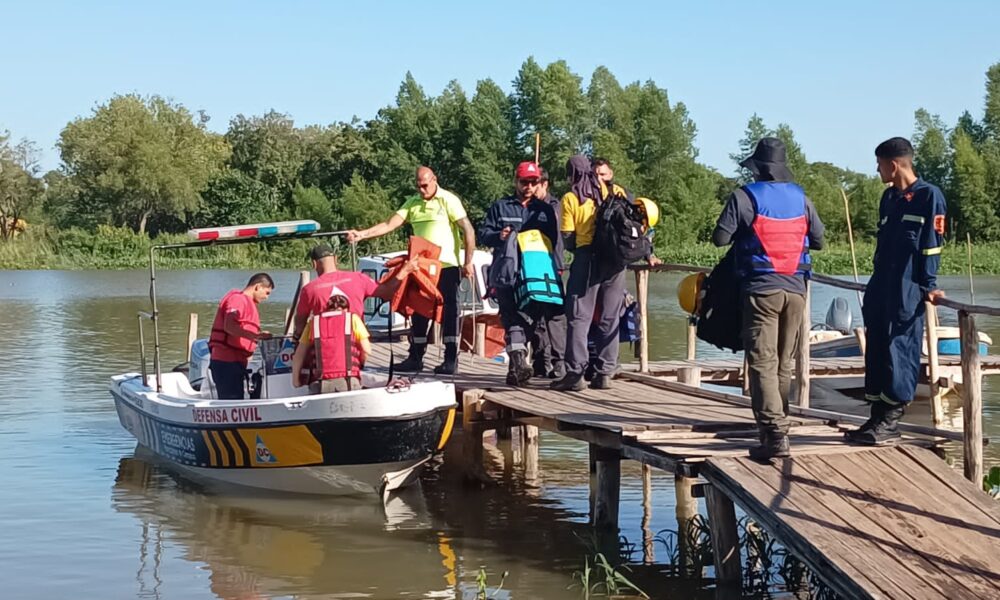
{"points": [[114, 248]]}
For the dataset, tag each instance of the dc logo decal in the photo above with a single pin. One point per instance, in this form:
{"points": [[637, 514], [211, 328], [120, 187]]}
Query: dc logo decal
{"points": [[263, 453]]}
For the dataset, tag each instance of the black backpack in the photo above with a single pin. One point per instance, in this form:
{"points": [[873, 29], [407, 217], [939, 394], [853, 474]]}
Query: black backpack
{"points": [[618, 236], [720, 313]]}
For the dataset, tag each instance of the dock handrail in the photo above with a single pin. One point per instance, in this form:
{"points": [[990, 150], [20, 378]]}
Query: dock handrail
{"points": [[972, 394]]}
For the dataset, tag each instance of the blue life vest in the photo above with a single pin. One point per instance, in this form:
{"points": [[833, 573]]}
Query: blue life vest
{"points": [[778, 241]]}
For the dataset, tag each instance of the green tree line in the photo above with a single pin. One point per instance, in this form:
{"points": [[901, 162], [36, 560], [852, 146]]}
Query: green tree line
{"points": [[152, 166]]}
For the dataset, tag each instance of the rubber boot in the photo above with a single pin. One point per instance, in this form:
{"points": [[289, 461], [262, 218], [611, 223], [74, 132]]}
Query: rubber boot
{"points": [[414, 363], [774, 444], [884, 432], [450, 364]]}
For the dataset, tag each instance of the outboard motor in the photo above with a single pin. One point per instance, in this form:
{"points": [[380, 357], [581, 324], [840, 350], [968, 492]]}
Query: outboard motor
{"points": [[200, 358], [839, 316]]}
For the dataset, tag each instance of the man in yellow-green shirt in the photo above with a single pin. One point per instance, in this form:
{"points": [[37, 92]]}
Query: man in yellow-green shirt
{"points": [[436, 215]]}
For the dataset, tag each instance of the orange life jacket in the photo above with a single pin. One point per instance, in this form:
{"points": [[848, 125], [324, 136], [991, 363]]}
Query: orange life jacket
{"points": [[219, 337], [418, 293], [337, 353]]}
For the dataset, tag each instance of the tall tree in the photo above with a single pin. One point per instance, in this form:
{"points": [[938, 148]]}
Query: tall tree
{"points": [[756, 129], [491, 150], [268, 148], [233, 198], [931, 152], [21, 190], [991, 114], [136, 157], [969, 194]]}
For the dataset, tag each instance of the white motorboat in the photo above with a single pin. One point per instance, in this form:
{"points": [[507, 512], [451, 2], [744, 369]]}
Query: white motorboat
{"points": [[371, 440]]}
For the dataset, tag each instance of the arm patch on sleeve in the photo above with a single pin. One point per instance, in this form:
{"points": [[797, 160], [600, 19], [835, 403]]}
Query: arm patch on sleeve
{"points": [[939, 224]]}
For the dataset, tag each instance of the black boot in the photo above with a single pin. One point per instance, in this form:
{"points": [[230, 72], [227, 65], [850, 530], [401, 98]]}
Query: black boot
{"points": [[518, 372], [450, 364], [571, 382], [414, 363], [600, 381], [774, 444], [882, 432]]}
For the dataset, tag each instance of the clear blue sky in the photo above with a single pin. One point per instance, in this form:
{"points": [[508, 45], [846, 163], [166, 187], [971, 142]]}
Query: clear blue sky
{"points": [[845, 75]]}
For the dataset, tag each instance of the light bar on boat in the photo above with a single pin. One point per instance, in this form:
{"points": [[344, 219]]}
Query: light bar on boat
{"points": [[252, 231]]}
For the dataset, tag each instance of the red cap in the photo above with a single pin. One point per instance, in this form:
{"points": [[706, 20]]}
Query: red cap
{"points": [[528, 170]]}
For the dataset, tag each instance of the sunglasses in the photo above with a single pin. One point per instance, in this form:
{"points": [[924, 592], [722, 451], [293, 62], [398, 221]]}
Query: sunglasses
{"points": [[528, 181]]}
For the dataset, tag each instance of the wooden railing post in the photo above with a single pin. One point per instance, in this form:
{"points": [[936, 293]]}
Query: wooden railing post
{"points": [[692, 331], [642, 297], [802, 364], [933, 371], [972, 398]]}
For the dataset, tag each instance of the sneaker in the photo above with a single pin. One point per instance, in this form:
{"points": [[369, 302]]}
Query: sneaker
{"points": [[600, 382], [773, 445], [571, 382], [883, 432]]}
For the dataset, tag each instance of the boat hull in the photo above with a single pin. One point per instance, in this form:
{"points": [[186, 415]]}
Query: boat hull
{"points": [[343, 455]]}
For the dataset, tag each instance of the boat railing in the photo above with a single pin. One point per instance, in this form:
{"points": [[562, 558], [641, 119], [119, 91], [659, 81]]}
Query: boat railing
{"points": [[972, 392], [142, 345]]}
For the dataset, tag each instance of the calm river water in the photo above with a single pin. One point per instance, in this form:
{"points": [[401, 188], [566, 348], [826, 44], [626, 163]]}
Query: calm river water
{"points": [[86, 516]]}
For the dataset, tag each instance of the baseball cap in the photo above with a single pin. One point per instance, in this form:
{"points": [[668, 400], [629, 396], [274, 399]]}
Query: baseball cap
{"points": [[527, 170], [321, 251]]}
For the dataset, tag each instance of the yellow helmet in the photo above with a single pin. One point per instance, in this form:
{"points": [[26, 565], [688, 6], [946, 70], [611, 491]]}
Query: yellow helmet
{"points": [[688, 290], [652, 210]]}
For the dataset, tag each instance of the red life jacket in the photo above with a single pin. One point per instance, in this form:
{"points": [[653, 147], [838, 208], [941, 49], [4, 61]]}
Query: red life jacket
{"points": [[238, 346], [418, 293], [337, 353]]}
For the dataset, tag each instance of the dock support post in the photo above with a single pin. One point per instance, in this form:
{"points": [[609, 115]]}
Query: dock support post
{"points": [[686, 511], [802, 364], [689, 376], [479, 342], [648, 552], [472, 432], [192, 334], [859, 334], [608, 492], [933, 371], [972, 398], [642, 297], [529, 452], [725, 536]]}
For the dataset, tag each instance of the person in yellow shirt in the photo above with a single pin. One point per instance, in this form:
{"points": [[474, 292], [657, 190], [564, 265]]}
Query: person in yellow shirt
{"points": [[436, 215], [334, 372]]}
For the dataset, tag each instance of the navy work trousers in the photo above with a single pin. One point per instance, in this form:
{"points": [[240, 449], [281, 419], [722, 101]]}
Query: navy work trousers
{"points": [[583, 295]]}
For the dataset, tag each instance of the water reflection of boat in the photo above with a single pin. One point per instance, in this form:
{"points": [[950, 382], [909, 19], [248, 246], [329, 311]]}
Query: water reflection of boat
{"points": [[266, 546], [369, 440]]}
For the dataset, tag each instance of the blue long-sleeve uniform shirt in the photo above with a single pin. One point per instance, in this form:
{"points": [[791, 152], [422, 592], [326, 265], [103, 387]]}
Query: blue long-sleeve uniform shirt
{"points": [[908, 248], [509, 212]]}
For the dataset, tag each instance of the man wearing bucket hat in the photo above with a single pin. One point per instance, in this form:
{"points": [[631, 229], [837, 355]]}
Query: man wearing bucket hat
{"points": [[773, 225], [904, 274]]}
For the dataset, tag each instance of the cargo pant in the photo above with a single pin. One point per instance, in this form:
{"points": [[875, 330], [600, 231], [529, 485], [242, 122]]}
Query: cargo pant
{"points": [[772, 321], [448, 284], [550, 343], [518, 329], [582, 298], [893, 349]]}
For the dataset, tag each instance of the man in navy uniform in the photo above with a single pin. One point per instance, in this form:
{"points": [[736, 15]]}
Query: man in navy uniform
{"points": [[904, 275]]}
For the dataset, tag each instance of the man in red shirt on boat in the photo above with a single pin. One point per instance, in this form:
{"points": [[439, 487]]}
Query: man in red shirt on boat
{"points": [[235, 333], [315, 295]]}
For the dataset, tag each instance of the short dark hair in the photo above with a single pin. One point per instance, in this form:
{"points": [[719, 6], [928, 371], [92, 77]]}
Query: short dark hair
{"points": [[261, 278], [897, 147], [600, 162], [338, 302], [543, 175]]}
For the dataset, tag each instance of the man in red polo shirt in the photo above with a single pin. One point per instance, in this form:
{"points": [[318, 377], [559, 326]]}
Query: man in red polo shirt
{"points": [[356, 286], [235, 332]]}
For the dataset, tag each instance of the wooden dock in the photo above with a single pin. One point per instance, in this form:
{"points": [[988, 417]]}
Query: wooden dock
{"points": [[870, 523]]}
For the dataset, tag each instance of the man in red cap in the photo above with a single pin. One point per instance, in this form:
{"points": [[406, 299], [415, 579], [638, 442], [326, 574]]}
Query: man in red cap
{"points": [[507, 217]]}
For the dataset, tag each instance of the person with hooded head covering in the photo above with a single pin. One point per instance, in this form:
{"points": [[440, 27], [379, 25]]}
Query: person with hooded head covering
{"points": [[773, 226], [904, 274], [585, 293]]}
